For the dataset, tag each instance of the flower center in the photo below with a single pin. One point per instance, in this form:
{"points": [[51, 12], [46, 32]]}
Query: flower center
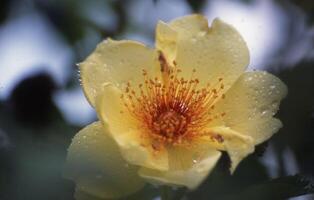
{"points": [[173, 111], [170, 124]]}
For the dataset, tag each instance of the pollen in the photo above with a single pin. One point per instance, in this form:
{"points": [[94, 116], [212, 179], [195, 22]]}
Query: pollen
{"points": [[169, 123], [174, 111]]}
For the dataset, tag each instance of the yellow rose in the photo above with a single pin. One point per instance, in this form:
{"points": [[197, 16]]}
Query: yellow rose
{"points": [[167, 113]]}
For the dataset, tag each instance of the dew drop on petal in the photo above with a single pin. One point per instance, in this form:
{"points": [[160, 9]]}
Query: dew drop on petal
{"points": [[264, 113], [272, 87]]}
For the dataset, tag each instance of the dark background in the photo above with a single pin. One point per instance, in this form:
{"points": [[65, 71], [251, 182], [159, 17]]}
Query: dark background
{"points": [[42, 105]]}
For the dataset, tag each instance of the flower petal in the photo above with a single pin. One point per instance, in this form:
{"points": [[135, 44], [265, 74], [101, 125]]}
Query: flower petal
{"points": [[237, 146], [215, 52], [96, 165], [166, 40], [117, 62], [191, 177], [250, 104], [134, 146]]}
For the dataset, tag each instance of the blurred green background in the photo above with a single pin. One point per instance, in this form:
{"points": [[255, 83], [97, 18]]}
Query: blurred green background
{"points": [[42, 105]]}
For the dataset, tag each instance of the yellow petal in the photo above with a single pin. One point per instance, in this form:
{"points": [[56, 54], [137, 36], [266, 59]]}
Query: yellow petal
{"points": [[215, 52], [237, 146], [250, 104], [117, 62], [166, 40], [134, 146], [96, 165], [190, 177]]}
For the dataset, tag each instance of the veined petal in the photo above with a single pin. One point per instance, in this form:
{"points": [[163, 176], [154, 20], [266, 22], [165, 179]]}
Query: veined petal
{"points": [[214, 52], [236, 145], [95, 163], [191, 177], [133, 142], [250, 104], [117, 62]]}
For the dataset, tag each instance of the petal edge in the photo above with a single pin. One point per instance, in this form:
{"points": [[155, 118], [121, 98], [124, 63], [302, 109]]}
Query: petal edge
{"points": [[96, 165]]}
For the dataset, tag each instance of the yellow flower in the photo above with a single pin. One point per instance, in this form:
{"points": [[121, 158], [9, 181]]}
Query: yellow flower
{"points": [[167, 113]]}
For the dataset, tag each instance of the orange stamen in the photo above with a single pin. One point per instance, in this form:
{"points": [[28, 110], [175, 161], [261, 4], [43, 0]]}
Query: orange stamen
{"points": [[176, 111]]}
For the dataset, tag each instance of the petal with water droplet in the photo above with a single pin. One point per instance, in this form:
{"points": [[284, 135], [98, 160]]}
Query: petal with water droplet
{"points": [[249, 106], [186, 169], [237, 146], [214, 52], [117, 62], [95, 163]]}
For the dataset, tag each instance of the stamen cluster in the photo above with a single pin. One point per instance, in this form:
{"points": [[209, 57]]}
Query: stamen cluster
{"points": [[174, 111]]}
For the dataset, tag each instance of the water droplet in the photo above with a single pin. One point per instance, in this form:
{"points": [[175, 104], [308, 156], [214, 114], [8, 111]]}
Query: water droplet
{"points": [[272, 87], [274, 105]]}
